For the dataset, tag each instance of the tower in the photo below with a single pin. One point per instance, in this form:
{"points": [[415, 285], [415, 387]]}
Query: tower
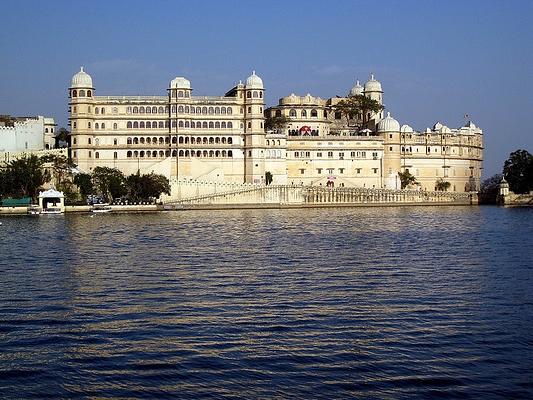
{"points": [[254, 131], [373, 90], [81, 119], [390, 129]]}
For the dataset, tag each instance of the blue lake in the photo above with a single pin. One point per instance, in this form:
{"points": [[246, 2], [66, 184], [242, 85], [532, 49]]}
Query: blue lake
{"points": [[366, 303]]}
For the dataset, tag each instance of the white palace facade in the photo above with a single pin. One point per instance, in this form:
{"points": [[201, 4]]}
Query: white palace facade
{"points": [[223, 139]]}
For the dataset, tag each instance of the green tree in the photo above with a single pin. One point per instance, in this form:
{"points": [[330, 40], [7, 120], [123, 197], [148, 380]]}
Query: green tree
{"points": [[357, 105], [518, 171], [489, 189], [61, 136], [442, 185], [25, 176], [268, 177], [276, 123], [146, 187], [84, 183], [406, 179], [109, 182]]}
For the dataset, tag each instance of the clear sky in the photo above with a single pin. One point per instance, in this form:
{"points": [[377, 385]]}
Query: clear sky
{"points": [[436, 60]]}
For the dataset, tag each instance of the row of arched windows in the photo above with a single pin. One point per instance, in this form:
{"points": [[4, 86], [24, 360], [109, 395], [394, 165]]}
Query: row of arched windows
{"points": [[204, 124], [81, 93], [99, 110], [146, 124], [182, 140], [255, 94], [273, 154], [293, 113], [273, 142], [181, 93], [202, 110], [147, 110], [174, 153]]}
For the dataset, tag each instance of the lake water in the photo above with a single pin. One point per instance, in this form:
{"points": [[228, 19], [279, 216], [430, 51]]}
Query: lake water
{"points": [[387, 303]]}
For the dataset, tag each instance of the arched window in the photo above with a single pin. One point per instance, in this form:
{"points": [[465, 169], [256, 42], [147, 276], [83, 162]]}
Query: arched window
{"points": [[174, 123], [161, 110], [187, 140], [141, 154], [186, 109], [141, 110], [161, 153], [193, 110], [211, 125], [103, 110], [102, 126], [217, 140], [74, 93], [128, 110], [141, 125], [148, 140], [304, 114], [198, 110], [135, 140], [166, 109], [161, 140], [88, 124], [154, 153], [230, 125], [217, 125], [230, 140], [180, 141], [198, 153], [136, 110], [96, 110], [211, 153], [180, 93], [173, 109], [224, 153], [186, 124], [205, 140], [135, 154], [230, 153], [211, 110], [217, 153], [174, 140], [148, 153], [167, 153], [249, 95], [154, 124], [129, 141], [148, 110], [256, 95], [180, 124], [141, 140], [96, 126], [193, 140], [174, 153], [249, 124], [260, 95], [154, 110], [181, 109], [292, 112], [223, 140], [204, 110], [223, 110], [314, 113], [166, 124], [115, 142], [187, 153], [135, 125], [96, 155], [115, 126], [217, 110], [181, 153], [204, 124], [82, 93], [230, 111], [211, 140], [193, 125], [128, 154], [74, 142], [205, 153]]}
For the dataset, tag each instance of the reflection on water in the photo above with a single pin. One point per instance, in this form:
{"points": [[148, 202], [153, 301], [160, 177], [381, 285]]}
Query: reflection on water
{"points": [[320, 303]]}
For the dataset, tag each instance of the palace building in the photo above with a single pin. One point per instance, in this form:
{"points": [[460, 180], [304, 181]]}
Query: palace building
{"points": [[223, 138]]}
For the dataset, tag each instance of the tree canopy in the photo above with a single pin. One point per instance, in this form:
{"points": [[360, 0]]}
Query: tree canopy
{"points": [[406, 179], [23, 177], [442, 185], [276, 123], [357, 107], [518, 171], [109, 182]]}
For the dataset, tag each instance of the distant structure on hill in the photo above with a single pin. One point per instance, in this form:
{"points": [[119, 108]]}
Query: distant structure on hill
{"points": [[223, 138]]}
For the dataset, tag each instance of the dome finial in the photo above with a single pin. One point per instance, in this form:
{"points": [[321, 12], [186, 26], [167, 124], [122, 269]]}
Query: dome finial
{"points": [[371, 76], [388, 114], [253, 72], [81, 69]]}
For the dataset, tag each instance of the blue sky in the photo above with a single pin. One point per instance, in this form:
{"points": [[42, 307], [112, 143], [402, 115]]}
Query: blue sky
{"points": [[437, 60]]}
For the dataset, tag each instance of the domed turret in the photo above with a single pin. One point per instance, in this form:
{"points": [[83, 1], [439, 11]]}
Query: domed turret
{"points": [[82, 80], [357, 89], [373, 85], [388, 124], [406, 129], [180, 82], [254, 82]]}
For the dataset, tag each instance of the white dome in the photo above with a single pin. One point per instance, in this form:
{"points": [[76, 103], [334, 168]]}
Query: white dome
{"points": [[357, 89], [373, 85], [388, 124], [179, 82], [406, 129], [82, 80], [254, 82]]}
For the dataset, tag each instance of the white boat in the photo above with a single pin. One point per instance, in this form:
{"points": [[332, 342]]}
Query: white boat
{"points": [[34, 209], [52, 210], [101, 208]]}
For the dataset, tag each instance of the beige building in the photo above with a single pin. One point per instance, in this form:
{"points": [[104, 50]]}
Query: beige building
{"points": [[223, 139]]}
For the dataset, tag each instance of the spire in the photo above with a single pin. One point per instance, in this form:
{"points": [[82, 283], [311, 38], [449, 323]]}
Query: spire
{"points": [[372, 76], [81, 69], [388, 114], [253, 72]]}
